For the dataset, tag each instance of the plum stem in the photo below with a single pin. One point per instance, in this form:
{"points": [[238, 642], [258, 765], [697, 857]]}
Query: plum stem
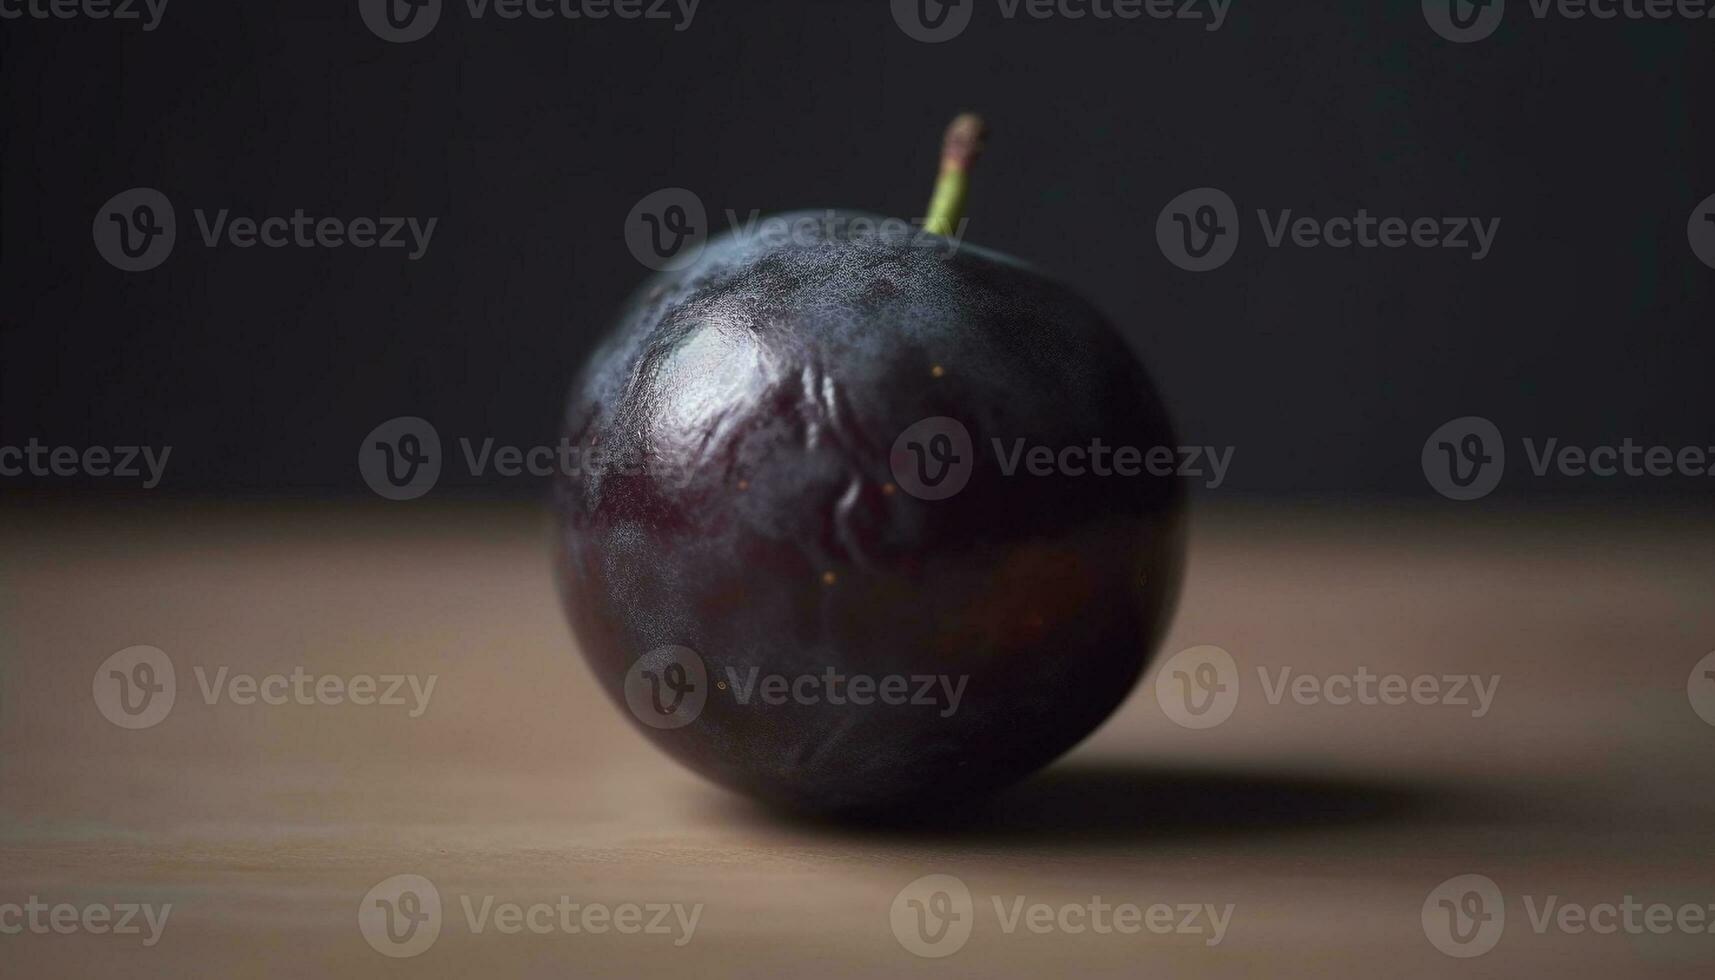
{"points": [[963, 144]]}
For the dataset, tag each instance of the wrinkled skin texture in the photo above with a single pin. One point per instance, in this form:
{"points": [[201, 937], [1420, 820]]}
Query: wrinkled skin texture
{"points": [[762, 390]]}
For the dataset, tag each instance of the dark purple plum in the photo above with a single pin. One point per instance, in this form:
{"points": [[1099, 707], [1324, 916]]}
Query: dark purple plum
{"points": [[739, 499]]}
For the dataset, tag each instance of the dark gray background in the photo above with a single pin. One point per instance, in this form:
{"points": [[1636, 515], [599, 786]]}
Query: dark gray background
{"points": [[1591, 321]]}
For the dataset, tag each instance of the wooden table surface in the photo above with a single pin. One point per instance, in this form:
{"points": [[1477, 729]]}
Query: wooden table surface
{"points": [[1324, 827]]}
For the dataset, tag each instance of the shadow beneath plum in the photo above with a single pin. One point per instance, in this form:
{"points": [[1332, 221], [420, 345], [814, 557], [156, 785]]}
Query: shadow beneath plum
{"points": [[1094, 803]]}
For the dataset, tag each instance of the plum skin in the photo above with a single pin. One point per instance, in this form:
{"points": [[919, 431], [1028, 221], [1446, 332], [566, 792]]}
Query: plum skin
{"points": [[758, 393]]}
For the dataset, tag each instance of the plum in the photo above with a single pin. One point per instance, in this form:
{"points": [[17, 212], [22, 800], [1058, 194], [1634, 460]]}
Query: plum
{"points": [[806, 546]]}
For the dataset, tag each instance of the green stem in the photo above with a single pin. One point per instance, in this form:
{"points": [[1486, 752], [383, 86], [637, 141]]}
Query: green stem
{"points": [[948, 204], [964, 142]]}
